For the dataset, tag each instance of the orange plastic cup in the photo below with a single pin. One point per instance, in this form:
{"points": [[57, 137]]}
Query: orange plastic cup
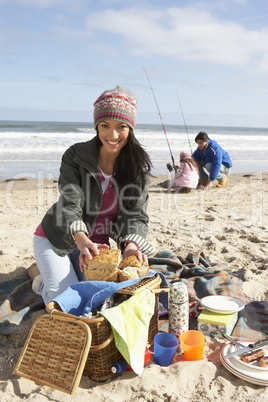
{"points": [[192, 343]]}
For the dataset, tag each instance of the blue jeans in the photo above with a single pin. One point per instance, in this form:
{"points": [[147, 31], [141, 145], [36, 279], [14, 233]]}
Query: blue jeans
{"points": [[58, 273], [204, 171]]}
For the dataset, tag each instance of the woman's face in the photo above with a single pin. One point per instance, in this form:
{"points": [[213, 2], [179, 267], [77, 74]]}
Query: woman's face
{"points": [[113, 135]]}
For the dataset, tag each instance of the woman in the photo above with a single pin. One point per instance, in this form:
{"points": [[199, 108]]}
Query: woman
{"points": [[103, 188]]}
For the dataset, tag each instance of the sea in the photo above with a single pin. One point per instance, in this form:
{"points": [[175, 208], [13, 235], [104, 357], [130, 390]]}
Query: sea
{"points": [[33, 149]]}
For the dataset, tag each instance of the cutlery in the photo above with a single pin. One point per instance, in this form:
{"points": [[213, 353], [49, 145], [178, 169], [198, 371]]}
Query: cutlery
{"points": [[250, 347], [229, 338]]}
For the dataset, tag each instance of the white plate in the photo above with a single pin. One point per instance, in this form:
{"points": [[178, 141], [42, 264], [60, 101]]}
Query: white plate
{"points": [[255, 364], [222, 304], [239, 370]]}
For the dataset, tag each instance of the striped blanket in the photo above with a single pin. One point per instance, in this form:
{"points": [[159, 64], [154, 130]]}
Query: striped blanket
{"points": [[201, 277], [19, 306], [204, 278]]}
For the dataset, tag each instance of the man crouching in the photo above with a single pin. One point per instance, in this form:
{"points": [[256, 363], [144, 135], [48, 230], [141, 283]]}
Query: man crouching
{"points": [[212, 161]]}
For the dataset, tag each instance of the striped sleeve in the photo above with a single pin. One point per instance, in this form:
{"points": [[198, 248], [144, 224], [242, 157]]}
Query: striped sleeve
{"points": [[144, 247], [78, 226]]}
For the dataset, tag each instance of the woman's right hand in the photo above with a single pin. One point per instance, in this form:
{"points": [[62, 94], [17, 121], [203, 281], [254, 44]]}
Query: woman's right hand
{"points": [[87, 248]]}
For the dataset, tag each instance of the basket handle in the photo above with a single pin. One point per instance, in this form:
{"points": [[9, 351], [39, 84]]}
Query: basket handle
{"points": [[103, 344], [74, 317], [164, 289]]}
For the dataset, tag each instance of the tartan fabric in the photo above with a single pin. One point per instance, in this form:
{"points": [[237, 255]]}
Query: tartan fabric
{"points": [[204, 278], [19, 306], [252, 322], [201, 277]]}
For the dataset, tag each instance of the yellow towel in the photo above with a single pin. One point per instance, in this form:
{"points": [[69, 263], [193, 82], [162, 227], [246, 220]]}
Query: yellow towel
{"points": [[130, 323]]}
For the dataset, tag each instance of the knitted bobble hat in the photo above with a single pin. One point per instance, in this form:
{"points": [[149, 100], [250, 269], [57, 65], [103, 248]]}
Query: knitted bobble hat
{"points": [[116, 104], [185, 155]]}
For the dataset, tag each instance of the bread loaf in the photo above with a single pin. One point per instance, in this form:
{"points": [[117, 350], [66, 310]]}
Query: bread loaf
{"points": [[132, 268], [131, 261], [103, 267]]}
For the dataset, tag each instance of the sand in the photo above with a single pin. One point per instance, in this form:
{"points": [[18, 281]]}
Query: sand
{"points": [[230, 225]]}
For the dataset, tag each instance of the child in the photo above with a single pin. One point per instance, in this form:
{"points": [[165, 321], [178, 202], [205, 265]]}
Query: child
{"points": [[186, 175]]}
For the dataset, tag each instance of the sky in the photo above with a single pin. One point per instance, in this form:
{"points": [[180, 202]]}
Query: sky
{"points": [[210, 57]]}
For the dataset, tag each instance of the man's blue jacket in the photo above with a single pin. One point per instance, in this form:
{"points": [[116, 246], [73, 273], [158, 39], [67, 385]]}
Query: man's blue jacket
{"points": [[214, 154]]}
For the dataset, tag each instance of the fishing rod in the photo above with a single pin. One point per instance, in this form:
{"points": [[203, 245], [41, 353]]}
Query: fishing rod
{"points": [[168, 165], [184, 123]]}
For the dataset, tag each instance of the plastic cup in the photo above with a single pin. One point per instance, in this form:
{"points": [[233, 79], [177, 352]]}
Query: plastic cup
{"points": [[192, 343], [165, 346]]}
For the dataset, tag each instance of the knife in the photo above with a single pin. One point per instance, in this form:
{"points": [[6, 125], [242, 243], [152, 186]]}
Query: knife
{"points": [[240, 345], [250, 347]]}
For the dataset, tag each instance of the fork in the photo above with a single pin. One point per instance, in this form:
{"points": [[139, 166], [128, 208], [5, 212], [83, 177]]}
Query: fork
{"points": [[229, 338]]}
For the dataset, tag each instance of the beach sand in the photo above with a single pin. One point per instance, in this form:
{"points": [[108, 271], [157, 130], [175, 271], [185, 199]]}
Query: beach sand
{"points": [[229, 225]]}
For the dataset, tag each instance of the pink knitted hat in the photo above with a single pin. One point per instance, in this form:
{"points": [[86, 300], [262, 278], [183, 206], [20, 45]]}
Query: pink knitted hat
{"points": [[116, 104], [185, 155]]}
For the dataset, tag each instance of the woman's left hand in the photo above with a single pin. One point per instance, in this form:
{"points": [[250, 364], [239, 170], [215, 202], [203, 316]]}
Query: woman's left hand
{"points": [[131, 249]]}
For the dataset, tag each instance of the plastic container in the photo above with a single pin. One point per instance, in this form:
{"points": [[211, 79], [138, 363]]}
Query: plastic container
{"points": [[121, 365], [193, 344], [165, 346]]}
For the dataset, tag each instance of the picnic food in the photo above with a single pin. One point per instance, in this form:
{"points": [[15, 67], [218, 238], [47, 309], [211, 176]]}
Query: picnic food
{"points": [[132, 268], [263, 362], [103, 267], [251, 356]]}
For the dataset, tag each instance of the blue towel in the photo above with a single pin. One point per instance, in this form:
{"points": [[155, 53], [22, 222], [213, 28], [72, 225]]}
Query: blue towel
{"points": [[85, 297]]}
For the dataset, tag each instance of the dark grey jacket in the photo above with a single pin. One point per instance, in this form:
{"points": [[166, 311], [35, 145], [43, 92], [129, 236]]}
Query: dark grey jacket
{"points": [[80, 200]]}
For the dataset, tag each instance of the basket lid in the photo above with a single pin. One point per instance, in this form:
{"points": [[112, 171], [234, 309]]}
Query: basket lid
{"points": [[152, 282], [55, 353]]}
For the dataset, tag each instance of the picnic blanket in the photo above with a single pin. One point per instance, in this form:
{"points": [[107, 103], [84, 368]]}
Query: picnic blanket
{"points": [[204, 278], [252, 322], [19, 306]]}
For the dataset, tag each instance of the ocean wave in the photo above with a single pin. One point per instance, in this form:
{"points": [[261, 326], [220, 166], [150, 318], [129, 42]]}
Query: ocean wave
{"points": [[29, 145]]}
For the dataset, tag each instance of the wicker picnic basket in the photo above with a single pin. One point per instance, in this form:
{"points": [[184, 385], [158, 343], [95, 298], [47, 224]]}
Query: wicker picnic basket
{"points": [[103, 353]]}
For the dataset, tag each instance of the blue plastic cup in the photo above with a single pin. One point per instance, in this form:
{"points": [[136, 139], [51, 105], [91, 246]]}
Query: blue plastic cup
{"points": [[165, 346]]}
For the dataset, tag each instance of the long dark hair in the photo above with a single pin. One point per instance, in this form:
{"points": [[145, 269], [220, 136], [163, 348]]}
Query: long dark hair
{"points": [[130, 169]]}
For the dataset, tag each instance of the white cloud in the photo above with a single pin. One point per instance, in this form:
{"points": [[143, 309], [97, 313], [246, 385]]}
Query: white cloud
{"points": [[187, 34]]}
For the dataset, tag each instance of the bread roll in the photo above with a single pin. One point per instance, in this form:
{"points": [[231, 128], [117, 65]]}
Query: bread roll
{"points": [[132, 268], [103, 267], [131, 261]]}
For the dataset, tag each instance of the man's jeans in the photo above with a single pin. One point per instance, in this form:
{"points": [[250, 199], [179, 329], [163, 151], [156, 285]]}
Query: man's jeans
{"points": [[204, 171]]}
